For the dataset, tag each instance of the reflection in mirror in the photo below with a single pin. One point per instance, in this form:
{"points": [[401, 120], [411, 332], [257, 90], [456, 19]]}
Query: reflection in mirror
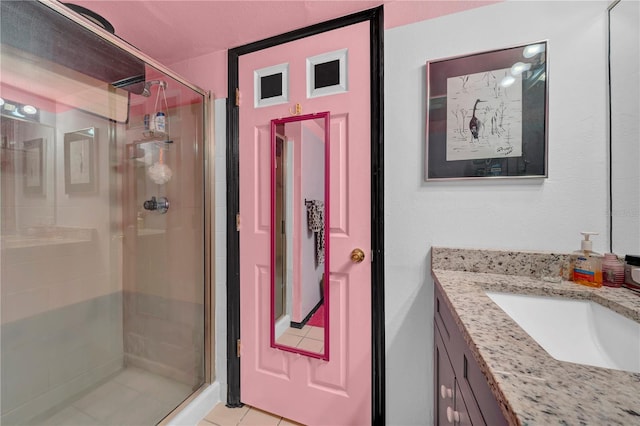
{"points": [[300, 234], [624, 86], [79, 159], [27, 154]]}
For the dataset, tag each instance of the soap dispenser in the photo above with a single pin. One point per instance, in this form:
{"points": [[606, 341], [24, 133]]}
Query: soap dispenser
{"points": [[587, 264]]}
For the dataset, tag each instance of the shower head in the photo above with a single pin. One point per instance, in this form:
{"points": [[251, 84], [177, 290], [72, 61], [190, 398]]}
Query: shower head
{"points": [[146, 91]]}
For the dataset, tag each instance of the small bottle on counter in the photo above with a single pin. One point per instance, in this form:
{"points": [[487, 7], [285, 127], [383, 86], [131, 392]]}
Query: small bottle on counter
{"points": [[631, 263], [612, 271], [587, 264]]}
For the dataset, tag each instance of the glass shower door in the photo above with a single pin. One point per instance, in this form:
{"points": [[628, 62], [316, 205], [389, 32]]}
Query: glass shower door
{"points": [[102, 304], [164, 235]]}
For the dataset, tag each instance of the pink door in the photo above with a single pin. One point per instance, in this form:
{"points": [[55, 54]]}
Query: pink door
{"points": [[304, 389]]}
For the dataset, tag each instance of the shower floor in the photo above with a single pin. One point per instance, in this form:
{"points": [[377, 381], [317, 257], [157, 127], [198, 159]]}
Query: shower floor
{"points": [[131, 397]]}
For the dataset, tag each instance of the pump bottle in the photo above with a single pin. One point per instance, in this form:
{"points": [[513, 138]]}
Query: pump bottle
{"points": [[587, 264]]}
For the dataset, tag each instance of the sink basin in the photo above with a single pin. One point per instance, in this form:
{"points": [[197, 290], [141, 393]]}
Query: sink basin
{"points": [[579, 331]]}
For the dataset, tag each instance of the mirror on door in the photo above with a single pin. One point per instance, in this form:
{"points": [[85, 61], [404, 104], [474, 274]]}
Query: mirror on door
{"points": [[300, 234], [624, 92]]}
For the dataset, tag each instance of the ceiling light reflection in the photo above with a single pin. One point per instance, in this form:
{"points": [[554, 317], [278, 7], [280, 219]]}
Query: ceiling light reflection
{"points": [[519, 67], [507, 81], [533, 49], [29, 109]]}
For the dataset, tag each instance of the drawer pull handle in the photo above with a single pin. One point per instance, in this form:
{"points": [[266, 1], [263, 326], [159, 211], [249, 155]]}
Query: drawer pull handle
{"points": [[445, 392], [452, 416]]}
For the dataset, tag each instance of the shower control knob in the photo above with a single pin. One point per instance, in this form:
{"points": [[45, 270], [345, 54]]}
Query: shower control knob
{"points": [[151, 204], [161, 204]]}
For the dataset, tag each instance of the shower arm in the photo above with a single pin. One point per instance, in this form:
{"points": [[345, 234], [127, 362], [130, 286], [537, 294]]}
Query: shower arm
{"points": [[146, 91]]}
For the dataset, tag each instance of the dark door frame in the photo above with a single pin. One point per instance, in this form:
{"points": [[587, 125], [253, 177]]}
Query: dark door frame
{"points": [[376, 21]]}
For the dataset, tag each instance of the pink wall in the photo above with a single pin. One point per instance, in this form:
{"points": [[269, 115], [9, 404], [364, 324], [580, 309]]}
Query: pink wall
{"points": [[24, 97], [209, 71]]}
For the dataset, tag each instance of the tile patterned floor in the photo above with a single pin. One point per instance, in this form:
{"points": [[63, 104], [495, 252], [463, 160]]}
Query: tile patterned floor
{"points": [[222, 415], [308, 338], [133, 397]]}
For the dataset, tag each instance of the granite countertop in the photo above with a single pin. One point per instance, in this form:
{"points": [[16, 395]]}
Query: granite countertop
{"points": [[534, 388]]}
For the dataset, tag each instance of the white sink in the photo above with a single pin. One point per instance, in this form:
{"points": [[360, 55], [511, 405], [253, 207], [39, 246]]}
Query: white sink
{"points": [[579, 331]]}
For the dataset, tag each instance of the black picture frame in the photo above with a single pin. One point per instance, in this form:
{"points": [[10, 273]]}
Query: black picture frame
{"points": [[487, 114], [79, 161], [33, 167]]}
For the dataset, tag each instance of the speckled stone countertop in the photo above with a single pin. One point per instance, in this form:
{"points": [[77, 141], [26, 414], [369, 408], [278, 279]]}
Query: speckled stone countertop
{"points": [[534, 388]]}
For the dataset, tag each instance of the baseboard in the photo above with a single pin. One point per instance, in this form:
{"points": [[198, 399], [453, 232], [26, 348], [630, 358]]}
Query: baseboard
{"points": [[197, 409]]}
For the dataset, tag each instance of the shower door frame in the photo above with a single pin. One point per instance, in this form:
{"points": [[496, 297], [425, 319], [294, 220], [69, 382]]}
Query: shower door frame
{"points": [[208, 141]]}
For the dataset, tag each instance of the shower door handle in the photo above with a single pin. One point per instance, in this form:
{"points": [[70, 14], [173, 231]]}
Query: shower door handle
{"points": [[161, 204]]}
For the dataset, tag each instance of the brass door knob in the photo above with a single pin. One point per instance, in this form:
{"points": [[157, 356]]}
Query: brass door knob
{"points": [[357, 255]]}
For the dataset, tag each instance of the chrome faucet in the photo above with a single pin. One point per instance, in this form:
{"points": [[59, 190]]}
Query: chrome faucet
{"points": [[161, 204]]}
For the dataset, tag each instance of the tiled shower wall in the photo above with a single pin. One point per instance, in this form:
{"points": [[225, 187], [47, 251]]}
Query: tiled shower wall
{"points": [[61, 326], [161, 331], [61, 286], [163, 263]]}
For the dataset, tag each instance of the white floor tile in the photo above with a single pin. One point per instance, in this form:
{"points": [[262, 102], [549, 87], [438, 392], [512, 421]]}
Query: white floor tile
{"points": [[105, 400], [71, 416], [133, 397]]}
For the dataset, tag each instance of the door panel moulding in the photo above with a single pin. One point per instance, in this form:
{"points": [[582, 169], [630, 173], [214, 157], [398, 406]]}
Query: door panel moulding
{"points": [[376, 20]]}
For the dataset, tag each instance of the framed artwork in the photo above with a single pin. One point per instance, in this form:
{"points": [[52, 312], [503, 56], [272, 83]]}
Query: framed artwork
{"points": [[79, 161], [487, 114], [33, 167]]}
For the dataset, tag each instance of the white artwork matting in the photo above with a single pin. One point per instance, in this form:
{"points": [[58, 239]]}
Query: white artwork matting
{"points": [[484, 116]]}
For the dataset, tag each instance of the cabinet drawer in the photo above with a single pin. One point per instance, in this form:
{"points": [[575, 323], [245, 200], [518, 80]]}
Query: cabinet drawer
{"points": [[444, 381], [451, 333], [442, 316], [468, 412], [451, 399], [472, 382]]}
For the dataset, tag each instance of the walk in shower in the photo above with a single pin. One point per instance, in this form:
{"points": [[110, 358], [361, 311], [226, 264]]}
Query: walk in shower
{"points": [[104, 262]]}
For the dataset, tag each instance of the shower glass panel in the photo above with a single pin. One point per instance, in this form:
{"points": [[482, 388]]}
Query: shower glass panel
{"points": [[102, 291]]}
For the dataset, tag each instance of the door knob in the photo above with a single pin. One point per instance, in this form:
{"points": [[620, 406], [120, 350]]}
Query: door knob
{"points": [[357, 255]]}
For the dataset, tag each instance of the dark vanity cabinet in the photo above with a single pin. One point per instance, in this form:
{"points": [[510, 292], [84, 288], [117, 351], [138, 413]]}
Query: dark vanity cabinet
{"points": [[461, 395], [450, 407]]}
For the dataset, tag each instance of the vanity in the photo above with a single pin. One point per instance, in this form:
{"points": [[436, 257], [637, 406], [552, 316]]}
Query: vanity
{"points": [[462, 393], [489, 371]]}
